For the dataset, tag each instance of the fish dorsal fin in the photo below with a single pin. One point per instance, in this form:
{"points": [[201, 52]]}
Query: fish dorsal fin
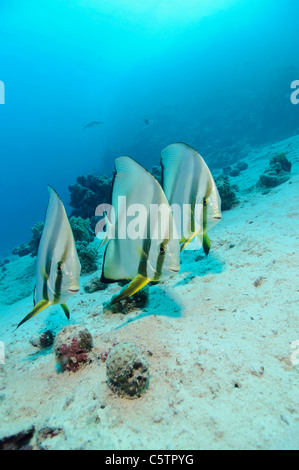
{"points": [[179, 161], [129, 179], [172, 159]]}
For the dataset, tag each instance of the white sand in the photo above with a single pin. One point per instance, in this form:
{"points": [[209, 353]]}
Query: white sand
{"points": [[221, 375]]}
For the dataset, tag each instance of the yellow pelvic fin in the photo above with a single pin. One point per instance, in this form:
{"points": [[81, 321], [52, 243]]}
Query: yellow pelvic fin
{"points": [[66, 310], [138, 283], [186, 242], [206, 244], [38, 308]]}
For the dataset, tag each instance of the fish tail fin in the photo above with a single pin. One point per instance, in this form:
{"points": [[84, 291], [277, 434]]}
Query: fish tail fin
{"points": [[38, 308], [135, 285], [66, 310]]}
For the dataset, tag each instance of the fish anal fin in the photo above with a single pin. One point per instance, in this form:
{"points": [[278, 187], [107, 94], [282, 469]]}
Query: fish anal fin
{"points": [[186, 242], [37, 309], [66, 310], [206, 244], [135, 285]]}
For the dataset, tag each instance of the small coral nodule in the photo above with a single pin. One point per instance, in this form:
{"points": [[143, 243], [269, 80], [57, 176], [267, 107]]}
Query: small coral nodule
{"points": [[127, 370], [43, 340], [278, 172], [71, 346]]}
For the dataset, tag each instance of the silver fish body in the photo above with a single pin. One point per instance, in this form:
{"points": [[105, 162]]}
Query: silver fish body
{"points": [[155, 254], [58, 267], [188, 183]]}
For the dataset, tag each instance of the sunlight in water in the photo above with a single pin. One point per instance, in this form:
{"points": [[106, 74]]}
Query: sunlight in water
{"points": [[155, 13]]}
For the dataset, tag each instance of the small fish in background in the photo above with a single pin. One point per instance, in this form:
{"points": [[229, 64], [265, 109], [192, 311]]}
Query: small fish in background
{"points": [[58, 267], [148, 122], [92, 125], [147, 258], [187, 180]]}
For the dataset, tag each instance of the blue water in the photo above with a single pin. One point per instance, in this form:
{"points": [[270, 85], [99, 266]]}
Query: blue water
{"points": [[212, 74]]}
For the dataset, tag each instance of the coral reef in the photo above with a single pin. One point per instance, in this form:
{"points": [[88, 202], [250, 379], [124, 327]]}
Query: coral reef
{"points": [[94, 284], [228, 196], [277, 172], [71, 347], [22, 250], [31, 247], [81, 229], [88, 254], [127, 370], [88, 193], [43, 340], [84, 237]]}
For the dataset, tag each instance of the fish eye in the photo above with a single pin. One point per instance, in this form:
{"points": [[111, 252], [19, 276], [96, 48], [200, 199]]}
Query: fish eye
{"points": [[205, 202], [162, 249], [60, 267]]}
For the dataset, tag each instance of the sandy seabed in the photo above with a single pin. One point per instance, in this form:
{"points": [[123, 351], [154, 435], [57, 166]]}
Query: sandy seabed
{"points": [[217, 342]]}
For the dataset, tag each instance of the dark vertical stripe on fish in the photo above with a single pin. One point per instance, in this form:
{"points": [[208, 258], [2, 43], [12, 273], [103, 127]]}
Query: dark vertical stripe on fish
{"points": [[192, 198], [59, 277], [160, 260], [142, 268]]}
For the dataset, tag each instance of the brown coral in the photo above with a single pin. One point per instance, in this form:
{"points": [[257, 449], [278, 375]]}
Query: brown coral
{"points": [[71, 346]]}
